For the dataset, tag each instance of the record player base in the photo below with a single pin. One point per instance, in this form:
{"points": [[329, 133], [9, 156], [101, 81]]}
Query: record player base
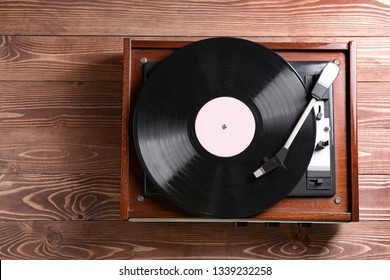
{"points": [[342, 207]]}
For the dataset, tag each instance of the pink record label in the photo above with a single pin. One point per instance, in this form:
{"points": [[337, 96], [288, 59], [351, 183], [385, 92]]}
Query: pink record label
{"points": [[225, 126]]}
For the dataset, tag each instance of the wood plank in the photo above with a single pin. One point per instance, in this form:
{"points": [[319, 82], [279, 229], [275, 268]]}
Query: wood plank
{"points": [[373, 61], [374, 197], [233, 18], [374, 105], [57, 58], [126, 136], [374, 128], [67, 127], [64, 150], [352, 136], [81, 105], [123, 240], [374, 151], [59, 197]]}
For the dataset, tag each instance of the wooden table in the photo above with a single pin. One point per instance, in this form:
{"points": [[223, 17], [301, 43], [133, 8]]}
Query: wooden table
{"points": [[60, 128]]}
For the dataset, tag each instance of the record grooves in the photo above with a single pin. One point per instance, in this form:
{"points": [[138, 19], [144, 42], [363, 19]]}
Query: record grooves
{"points": [[167, 141]]}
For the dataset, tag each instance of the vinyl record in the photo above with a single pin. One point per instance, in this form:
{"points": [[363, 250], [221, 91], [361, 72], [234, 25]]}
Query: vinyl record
{"points": [[207, 117]]}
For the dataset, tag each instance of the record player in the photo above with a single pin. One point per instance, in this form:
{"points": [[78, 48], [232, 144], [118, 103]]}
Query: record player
{"points": [[226, 129]]}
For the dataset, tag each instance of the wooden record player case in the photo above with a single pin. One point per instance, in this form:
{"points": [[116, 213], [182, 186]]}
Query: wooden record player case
{"points": [[342, 207]]}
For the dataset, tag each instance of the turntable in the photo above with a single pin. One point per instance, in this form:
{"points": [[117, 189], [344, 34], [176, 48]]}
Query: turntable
{"points": [[226, 129]]}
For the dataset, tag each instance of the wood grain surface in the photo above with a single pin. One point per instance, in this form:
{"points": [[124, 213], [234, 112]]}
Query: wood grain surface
{"points": [[74, 105], [59, 197], [374, 197], [121, 240], [374, 127], [68, 127], [36, 58], [60, 127], [203, 18]]}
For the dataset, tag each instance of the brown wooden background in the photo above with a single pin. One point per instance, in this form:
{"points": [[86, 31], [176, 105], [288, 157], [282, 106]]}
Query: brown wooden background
{"points": [[60, 127]]}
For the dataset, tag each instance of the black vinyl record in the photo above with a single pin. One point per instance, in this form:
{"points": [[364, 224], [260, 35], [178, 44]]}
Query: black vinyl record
{"points": [[175, 159]]}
